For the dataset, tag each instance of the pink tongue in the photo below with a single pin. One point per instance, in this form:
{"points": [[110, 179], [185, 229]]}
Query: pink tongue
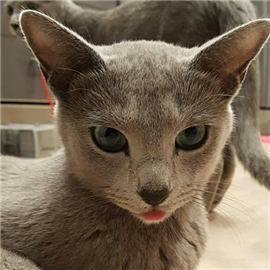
{"points": [[153, 215]]}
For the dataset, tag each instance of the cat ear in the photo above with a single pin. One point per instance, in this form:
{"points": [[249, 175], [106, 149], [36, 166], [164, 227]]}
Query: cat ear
{"points": [[229, 56], [59, 51]]}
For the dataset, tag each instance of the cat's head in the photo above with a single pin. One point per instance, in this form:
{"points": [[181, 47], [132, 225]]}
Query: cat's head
{"points": [[14, 8], [143, 123]]}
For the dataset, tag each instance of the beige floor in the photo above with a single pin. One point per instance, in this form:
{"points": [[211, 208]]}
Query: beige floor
{"points": [[239, 229]]}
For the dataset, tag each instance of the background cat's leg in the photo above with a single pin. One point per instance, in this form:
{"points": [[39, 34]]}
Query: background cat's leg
{"points": [[13, 261], [246, 135], [220, 180]]}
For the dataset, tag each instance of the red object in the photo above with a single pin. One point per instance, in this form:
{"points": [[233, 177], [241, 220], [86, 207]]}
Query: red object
{"points": [[47, 93], [265, 139], [153, 215]]}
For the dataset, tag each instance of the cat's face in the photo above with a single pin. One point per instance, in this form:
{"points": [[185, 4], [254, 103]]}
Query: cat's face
{"points": [[14, 8], [151, 108], [143, 123], [173, 127]]}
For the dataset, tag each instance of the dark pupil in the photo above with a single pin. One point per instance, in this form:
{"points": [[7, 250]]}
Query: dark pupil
{"points": [[10, 10], [191, 133], [111, 135]]}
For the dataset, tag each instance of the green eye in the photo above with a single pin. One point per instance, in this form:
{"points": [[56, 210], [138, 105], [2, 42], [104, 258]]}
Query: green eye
{"points": [[32, 6], [109, 139], [191, 138], [10, 10]]}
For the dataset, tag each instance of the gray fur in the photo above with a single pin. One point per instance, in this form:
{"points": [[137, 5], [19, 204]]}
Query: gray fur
{"points": [[80, 209], [184, 23], [61, 225], [13, 261]]}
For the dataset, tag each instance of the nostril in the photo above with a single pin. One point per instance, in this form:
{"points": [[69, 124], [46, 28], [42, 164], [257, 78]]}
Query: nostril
{"points": [[154, 198], [15, 26]]}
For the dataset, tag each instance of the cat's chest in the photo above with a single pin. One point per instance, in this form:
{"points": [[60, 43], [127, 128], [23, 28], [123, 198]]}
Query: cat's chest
{"points": [[125, 244], [110, 253], [132, 250]]}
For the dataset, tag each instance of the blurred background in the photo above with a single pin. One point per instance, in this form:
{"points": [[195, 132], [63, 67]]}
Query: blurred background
{"points": [[25, 100]]}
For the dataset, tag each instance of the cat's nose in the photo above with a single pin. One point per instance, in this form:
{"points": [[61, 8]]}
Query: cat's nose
{"points": [[15, 26], [154, 197]]}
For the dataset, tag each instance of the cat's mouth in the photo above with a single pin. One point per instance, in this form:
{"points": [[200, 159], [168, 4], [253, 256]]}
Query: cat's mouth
{"points": [[154, 215]]}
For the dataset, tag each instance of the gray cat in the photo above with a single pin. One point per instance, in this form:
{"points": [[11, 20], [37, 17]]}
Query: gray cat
{"points": [[187, 24], [143, 125]]}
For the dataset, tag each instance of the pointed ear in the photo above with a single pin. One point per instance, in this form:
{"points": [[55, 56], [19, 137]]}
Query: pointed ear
{"points": [[228, 57], [60, 52]]}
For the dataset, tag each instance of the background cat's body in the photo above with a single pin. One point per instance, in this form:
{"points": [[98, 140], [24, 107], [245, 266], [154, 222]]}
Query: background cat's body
{"points": [[187, 24]]}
